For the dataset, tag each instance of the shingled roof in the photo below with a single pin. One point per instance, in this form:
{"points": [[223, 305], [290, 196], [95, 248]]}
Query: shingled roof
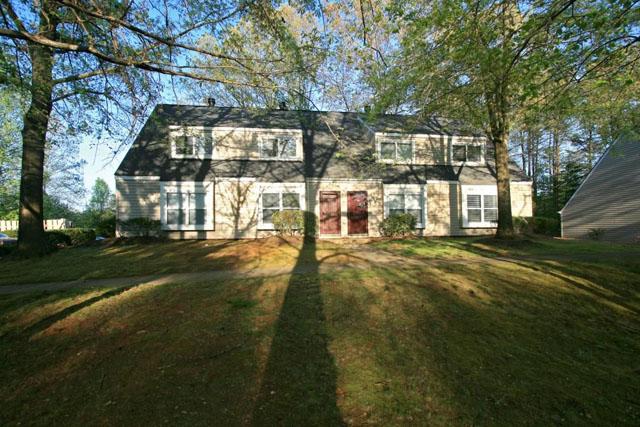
{"points": [[336, 145]]}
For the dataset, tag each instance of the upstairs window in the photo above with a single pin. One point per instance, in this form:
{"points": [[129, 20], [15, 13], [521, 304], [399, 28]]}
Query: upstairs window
{"points": [[480, 206], [467, 152], [192, 144], [279, 147], [396, 151]]}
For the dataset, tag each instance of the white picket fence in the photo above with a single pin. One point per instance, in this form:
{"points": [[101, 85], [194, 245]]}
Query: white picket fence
{"points": [[49, 224]]}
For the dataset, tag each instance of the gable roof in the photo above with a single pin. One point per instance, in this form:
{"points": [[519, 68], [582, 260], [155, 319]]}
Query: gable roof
{"points": [[336, 145]]}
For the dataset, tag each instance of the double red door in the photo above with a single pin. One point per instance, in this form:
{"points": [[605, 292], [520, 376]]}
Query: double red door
{"points": [[357, 212]]}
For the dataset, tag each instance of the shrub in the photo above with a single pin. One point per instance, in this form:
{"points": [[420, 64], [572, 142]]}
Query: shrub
{"points": [[10, 233], [521, 225], [289, 222], [398, 225], [106, 225], [547, 226], [79, 236], [596, 233], [144, 227], [57, 238]]}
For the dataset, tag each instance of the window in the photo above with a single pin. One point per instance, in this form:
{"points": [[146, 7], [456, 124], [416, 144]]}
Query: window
{"points": [[469, 152], [474, 153], [185, 145], [396, 151], [480, 204], [186, 208], [191, 143], [279, 198], [187, 205], [400, 199], [280, 147], [176, 206], [459, 153]]}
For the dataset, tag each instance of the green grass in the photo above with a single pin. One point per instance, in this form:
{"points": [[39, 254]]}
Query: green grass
{"points": [[461, 340], [139, 259]]}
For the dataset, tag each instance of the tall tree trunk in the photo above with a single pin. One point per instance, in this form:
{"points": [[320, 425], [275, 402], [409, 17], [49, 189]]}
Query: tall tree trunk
{"points": [[505, 219], [31, 238], [590, 149], [523, 153], [555, 170], [534, 145], [499, 125]]}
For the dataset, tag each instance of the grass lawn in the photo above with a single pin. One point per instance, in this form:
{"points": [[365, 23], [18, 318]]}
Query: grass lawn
{"points": [[537, 332], [123, 259]]}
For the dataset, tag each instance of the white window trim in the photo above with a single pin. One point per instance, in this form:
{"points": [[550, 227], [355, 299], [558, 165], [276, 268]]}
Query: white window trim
{"points": [[219, 133], [293, 187], [396, 141], [178, 131], [467, 142], [137, 178], [272, 135], [206, 187], [481, 190], [421, 189]]}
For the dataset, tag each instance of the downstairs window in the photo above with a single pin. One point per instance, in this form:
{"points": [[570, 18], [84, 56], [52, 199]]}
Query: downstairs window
{"points": [[279, 197], [400, 199], [480, 206], [187, 206]]}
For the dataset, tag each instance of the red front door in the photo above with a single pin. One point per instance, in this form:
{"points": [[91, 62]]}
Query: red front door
{"points": [[357, 212], [329, 212]]}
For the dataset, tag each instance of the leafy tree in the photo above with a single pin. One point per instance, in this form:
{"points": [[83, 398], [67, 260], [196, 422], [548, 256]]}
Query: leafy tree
{"points": [[289, 57], [63, 181], [94, 68], [488, 64], [101, 197], [9, 154], [54, 208]]}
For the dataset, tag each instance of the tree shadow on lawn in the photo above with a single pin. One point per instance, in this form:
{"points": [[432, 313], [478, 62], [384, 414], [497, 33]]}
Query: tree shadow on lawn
{"points": [[535, 356], [299, 383], [178, 353], [524, 355], [126, 259], [607, 280], [45, 323]]}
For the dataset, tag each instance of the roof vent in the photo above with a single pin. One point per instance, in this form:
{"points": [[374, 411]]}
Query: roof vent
{"points": [[283, 105], [211, 102]]}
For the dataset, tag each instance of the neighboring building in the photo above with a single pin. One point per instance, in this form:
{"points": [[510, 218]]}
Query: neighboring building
{"points": [[607, 203], [212, 172]]}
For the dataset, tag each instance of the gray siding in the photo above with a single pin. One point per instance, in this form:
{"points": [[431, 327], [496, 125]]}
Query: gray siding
{"points": [[137, 199], [609, 198]]}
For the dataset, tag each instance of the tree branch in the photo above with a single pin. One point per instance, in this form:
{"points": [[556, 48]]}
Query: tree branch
{"points": [[126, 62], [75, 93], [88, 74], [170, 42]]}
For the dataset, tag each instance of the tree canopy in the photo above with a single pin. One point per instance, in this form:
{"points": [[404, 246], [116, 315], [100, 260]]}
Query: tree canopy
{"points": [[97, 68], [492, 65]]}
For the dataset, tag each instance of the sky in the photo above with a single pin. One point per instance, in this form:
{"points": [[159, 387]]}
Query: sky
{"points": [[100, 163], [99, 159]]}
